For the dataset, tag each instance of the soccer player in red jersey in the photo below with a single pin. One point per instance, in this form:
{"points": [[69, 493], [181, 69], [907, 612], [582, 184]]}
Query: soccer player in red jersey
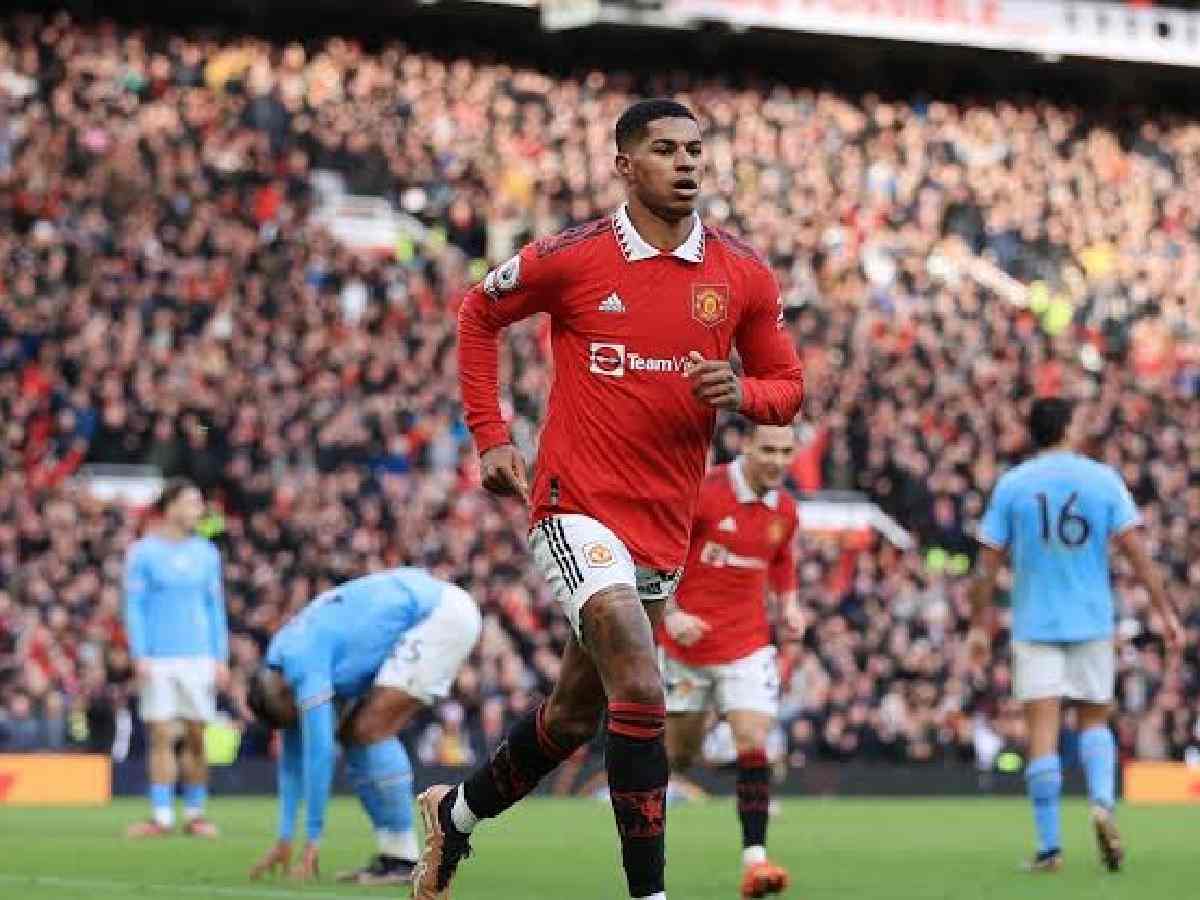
{"points": [[646, 305], [716, 637]]}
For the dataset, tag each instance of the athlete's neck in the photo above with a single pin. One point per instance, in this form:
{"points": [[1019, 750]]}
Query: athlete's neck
{"points": [[1060, 447], [661, 234], [754, 480], [170, 532]]}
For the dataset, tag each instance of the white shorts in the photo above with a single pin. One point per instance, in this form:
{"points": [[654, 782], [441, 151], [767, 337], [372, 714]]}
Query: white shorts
{"points": [[180, 687], [1085, 670], [426, 660], [579, 557], [749, 684]]}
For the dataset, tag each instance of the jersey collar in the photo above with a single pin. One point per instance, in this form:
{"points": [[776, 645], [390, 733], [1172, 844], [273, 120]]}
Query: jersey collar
{"points": [[742, 491], [635, 248]]}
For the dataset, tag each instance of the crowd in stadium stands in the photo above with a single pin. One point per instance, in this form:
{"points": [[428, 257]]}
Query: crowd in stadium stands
{"points": [[166, 299]]}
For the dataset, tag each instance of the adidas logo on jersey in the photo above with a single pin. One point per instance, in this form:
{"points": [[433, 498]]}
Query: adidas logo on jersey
{"points": [[612, 303], [727, 524]]}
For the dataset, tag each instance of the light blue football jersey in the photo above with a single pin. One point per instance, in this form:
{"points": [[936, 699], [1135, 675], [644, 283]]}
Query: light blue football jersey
{"points": [[1055, 515], [336, 645]]}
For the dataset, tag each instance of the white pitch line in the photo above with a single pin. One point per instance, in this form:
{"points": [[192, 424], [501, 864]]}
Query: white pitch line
{"points": [[33, 881]]}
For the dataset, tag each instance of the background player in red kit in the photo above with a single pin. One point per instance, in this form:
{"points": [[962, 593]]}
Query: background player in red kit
{"points": [[646, 307], [716, 636]]}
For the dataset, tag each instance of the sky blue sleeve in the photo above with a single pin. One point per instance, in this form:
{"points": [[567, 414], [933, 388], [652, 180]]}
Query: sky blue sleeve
{"points": [[136, 588], [218, 640], [317, 745], [1123, 513], [291, 781], [996, 528]]}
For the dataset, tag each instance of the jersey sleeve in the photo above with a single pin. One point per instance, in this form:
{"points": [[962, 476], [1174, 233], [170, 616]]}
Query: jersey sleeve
{"points": [[995, 530], [525, 285], [781, 576], [1123, 512], [317, 748], [773, 386], [218, 623], [137, 585], [308, 670], [291, 781]]}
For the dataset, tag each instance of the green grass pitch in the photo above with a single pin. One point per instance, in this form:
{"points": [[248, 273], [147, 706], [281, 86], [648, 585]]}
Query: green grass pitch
{"points": [[862, 849]]}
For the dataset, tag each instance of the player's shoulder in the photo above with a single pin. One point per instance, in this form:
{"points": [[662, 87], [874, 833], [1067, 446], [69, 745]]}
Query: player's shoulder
{"points": [[737, 247], [573, 238], [204, 547]]}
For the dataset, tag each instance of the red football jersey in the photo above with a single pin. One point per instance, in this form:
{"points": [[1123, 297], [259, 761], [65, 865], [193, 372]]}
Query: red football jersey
{"points": [[741, 543], [624, 440]]}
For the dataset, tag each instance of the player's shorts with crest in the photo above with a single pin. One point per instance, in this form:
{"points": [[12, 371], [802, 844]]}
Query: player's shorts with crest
{"points": [[1083, 670], [179, 687], [579, 557], [426, 659], [749, 684]]}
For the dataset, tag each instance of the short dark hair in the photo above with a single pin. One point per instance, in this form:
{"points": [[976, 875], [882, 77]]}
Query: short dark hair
{"points": [[170, 493], [631, 127], [262, 696], [1048, 421]]}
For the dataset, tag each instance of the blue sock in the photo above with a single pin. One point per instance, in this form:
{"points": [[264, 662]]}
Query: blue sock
{"points": [[1098, 752], [382, 777], [194, 798], [1043, 778], [162, 800]]}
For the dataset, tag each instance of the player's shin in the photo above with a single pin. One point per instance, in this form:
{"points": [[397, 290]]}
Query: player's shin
{"points": [[636, 758], [1098, 752], [1043, 778], [381, 776], [753, 804], [526, 756]]}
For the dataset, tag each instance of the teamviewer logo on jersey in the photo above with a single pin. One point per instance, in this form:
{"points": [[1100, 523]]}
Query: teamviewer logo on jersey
{"points": [[608, 359]]}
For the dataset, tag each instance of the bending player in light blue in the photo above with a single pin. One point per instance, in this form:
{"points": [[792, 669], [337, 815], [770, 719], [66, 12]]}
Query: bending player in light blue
{"points": [[1055, 517], [381, 647]]}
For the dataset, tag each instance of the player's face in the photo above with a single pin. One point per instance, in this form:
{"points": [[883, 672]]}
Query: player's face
{"points": [[768, 454], [664, 169], [187, 509]]}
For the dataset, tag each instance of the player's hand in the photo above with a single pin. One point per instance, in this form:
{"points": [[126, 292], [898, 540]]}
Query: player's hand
{"points": [[221, 676], [684, 628], [794, 622], [714, 382], [979, 646], [273, 861], [141, 672], [503, 472], [308, 868]]}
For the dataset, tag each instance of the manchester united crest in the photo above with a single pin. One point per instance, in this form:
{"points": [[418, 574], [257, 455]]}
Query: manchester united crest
{"points": [[710, 303], [775, 531]]}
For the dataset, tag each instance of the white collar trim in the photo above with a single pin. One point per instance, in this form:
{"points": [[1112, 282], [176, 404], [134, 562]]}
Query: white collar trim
{"points": [[635, 248], [742, 491]]}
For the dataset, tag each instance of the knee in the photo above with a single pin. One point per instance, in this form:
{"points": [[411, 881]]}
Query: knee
{"points": [[750, 740], [571, 726], [638, 681], [369, 728], [194, 740]]}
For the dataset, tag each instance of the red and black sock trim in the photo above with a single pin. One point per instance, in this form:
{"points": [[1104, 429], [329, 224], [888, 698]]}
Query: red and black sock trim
{"points": [[639, 721], [526, 756], [636, 758], [753, 796]]}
